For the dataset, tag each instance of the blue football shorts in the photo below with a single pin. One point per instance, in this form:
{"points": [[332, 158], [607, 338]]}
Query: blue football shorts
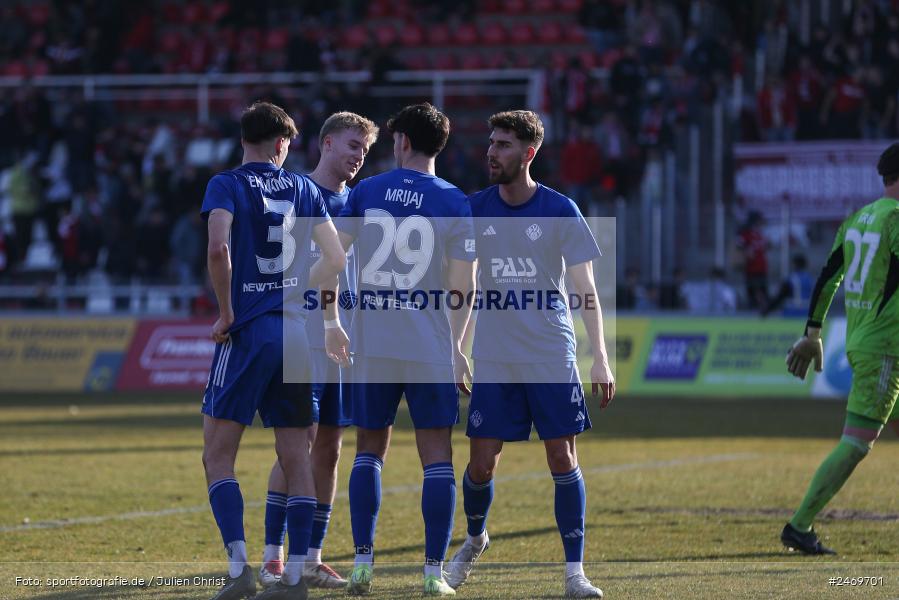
{"points": [[247, 375], [507, 399]]}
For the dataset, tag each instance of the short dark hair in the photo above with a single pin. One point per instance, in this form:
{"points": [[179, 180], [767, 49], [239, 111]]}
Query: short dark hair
{"points": [[264, 121], [888, 165], [426, 127], [525, 123]]}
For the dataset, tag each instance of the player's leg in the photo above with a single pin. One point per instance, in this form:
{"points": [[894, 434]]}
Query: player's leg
{"points": [[556, 400], [374, 412], [871, 402], [433, 401], [365, 502], [221, 438], [477, 492], [229, 405], [325, 456], [275, 527]]}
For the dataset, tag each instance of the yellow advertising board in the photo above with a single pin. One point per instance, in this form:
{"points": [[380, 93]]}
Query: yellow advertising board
{"points": [[58, 354]]}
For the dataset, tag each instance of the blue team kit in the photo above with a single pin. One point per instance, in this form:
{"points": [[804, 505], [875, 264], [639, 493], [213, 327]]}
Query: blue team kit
{"points": [[272, 208]]}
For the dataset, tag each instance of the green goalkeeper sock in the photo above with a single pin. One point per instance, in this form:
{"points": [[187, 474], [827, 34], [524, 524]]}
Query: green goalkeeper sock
{"points": [[859, 435]]}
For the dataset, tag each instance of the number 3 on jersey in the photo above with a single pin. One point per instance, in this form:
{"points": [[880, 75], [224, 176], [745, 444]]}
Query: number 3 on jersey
{"points": [[280, 234], [396, 237], [861, 244]]}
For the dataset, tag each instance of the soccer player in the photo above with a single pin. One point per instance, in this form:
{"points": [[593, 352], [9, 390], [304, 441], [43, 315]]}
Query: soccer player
{"points": [[412, 234], [525, 363], [866, 253], [344, 141], [257, 214]]}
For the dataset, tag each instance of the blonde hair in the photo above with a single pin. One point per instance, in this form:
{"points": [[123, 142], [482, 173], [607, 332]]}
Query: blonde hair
{"points": [[340, 121]]}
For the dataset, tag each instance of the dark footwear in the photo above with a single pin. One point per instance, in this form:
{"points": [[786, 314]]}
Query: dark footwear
{"points": [[280, 591], [807, 543], [238, 588]]}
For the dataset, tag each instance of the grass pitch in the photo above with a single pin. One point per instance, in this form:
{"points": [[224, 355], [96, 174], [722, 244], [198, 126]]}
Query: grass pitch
{"points": [[686, 499]]}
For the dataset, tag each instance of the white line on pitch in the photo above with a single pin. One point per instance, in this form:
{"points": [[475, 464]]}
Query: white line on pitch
{"points": [[398, 489]]}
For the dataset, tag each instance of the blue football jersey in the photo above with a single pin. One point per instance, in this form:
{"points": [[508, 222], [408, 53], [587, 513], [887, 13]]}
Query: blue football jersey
{"points": [[523, 314], [315, 324], [274, 212], [406, 225]]}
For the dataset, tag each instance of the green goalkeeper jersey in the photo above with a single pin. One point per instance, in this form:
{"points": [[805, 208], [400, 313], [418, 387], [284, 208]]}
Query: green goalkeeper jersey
{"points": [[866, 253]]}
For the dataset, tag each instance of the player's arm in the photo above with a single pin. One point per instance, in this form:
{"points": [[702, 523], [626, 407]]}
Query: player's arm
{"points": [[581, 276], [809, 347], [460, 278], [218, 261], [325, 274]]}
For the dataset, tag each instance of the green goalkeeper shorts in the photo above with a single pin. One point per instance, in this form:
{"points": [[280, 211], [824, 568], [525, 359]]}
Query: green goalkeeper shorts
{"points": [[875, 385]]}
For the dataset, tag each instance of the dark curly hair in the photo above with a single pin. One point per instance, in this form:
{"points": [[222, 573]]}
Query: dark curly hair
{"points": [[426, 127]]}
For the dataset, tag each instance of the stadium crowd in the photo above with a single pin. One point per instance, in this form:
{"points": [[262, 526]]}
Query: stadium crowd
{"points": [[117, 189]]}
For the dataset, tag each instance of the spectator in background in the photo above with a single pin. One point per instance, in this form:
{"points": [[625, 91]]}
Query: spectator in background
{"points": [[187, 245], [806, 84], [153, 246], [581, 163], [841, 110], [671, 293], [616, 148], [21, 188], [880, 105], [753, 248], [632, 294], [626, 82], [795, 291], [602, 20], [713, 296], [777, 111]]}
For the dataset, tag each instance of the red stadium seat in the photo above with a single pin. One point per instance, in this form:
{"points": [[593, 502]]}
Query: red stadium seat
{"points": [[417, 62], [193, 12], [354, 36], [466, 34], [444, 61], [542, 6], [169, 40], [379, 9], [569, 6], [438, 35], [589, 59], [412, 34], [524, 59], [521, 33], [218, 11], [514, 7], [37, 13], [550, 33], [276, 39], [491, 6], [385, 35], [472, 61], [574, 34], [493, 34]]}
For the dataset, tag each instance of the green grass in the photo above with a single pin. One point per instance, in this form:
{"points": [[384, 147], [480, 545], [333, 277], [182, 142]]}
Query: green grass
{"points": [[686, 499]]}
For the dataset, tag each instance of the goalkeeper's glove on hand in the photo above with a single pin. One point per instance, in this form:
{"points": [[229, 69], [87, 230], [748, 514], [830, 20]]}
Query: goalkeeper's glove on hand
{"points": [[808, 348]]}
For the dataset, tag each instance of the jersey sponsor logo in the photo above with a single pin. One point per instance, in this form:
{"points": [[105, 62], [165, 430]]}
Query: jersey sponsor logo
{"points": [[859, 304], [404, 197], [510, 267], [867, 218], [469, 245], [476, 418], [489, 231], [270, 185], [268, 286], [534, 232]]}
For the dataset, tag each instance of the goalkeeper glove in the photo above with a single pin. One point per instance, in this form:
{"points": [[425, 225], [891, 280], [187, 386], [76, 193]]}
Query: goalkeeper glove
{"points": [[804, 351]]}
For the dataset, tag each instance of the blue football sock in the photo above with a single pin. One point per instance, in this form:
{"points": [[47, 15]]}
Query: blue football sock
{"points": [[320, 525], [477, 499], [365, 502], [571, 505], [299, 528], [227, 506], [438, 504], [275, 518]]}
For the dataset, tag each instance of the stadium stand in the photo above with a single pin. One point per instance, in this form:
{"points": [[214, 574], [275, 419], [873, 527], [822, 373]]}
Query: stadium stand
{"points": [[81, 179]]}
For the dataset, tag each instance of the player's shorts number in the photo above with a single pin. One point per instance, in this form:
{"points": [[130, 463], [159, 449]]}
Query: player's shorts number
{"points": [[280, 234], [396, 238], [859, 241]]}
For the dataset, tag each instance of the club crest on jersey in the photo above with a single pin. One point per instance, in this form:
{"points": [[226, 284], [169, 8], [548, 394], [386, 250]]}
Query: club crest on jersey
{"points": [[534, 232], [476, 418]]}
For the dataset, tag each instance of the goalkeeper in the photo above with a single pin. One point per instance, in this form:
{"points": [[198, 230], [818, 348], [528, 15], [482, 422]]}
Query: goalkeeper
{"points": [[866, 253]]}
